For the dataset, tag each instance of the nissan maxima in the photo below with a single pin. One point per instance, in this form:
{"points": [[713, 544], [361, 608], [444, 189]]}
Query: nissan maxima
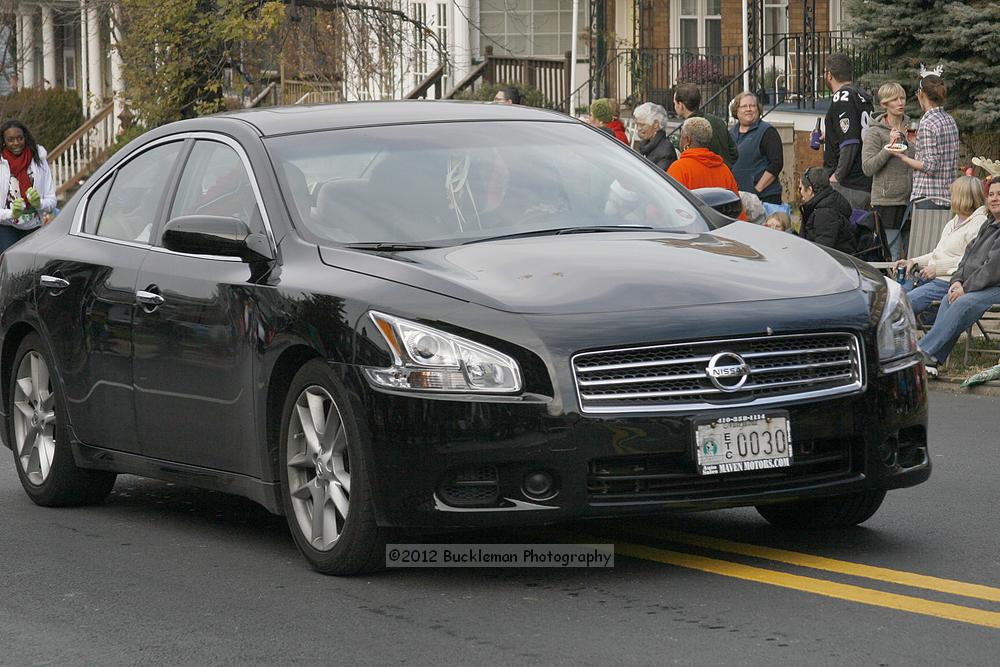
{"points": [[432, 315]]}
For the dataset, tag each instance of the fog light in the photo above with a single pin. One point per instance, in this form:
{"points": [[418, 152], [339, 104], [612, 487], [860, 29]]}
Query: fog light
{"points": [[539, 485], [888, 451]]}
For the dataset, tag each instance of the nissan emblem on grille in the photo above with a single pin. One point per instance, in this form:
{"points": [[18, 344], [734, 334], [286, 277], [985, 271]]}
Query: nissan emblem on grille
{"points": [[727, 371]]}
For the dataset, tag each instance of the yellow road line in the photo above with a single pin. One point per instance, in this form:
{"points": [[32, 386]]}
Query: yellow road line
{"points": [[989, 619], [821, 563]]}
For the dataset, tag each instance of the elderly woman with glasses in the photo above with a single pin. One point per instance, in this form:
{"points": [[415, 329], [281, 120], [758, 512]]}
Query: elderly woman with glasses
{"points": [[650, 121], [826, 214], [761, 157]]}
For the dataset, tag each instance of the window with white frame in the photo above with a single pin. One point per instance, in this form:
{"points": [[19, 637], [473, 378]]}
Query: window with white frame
{"points": [[531, 27], [699, 25], [775, 24], [425, 52]]}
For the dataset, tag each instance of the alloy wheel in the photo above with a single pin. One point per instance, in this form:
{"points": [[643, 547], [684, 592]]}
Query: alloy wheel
{"points": [[34, 417], [319, 477]]}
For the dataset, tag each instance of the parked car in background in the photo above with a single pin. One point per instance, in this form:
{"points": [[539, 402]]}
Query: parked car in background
{"points": [[444, 315]]}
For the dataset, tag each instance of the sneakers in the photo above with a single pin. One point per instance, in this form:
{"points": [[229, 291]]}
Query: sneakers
{"points": [[930, 363]]}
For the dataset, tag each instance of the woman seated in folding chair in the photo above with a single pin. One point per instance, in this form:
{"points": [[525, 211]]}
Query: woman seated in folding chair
{"points": [[974, 287], [929, 275]]}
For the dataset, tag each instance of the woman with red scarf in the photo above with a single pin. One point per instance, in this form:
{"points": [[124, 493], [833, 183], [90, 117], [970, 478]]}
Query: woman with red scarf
{"points": [[26, 189]]}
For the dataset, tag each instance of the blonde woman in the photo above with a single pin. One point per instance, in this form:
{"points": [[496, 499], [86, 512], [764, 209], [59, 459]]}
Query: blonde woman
{"points": [[934, 270], [892, 180]]}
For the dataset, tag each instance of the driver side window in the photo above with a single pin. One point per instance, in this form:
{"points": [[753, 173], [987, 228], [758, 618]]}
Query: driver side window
{"points": [[215, 182]]}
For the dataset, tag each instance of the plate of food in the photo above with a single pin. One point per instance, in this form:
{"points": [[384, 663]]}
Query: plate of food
{"points": [[896, 148]]}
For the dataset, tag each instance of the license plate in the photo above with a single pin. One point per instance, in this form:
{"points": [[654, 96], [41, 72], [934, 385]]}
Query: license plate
{"points": [[743, 443]]}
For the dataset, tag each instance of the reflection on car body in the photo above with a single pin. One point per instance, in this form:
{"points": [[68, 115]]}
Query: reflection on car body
{"points": [[374, 316]]}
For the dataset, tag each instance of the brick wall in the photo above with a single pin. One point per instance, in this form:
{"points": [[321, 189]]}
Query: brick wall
{"points": [[805, 157], [795, 15], [732, 25], [661, 25]]}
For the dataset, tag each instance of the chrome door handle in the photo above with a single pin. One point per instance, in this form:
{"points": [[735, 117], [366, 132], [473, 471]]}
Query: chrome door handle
{"points": [[149, 298], [52, 282]]}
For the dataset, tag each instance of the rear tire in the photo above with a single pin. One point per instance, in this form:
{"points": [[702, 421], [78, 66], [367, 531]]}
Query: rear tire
{"points": [[38, 433], [325, 487], [822, 513]]}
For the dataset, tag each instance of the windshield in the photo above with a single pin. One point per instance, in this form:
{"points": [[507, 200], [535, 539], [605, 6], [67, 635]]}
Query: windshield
{"points": [[449, 183]]}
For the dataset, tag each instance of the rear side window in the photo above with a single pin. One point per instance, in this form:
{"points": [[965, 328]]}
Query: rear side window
{"points": [[95, 204], [131, 202]]}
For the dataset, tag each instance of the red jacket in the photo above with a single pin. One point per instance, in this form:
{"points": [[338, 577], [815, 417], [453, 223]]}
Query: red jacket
{"points": [[701, 168], [618, 128]]}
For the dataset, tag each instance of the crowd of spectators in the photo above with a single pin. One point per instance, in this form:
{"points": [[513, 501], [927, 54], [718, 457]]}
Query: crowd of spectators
{"points": [[877, 169]]}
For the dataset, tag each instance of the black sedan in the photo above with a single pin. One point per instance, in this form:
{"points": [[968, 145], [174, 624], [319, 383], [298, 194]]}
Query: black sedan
{"points": [[430, 315]]}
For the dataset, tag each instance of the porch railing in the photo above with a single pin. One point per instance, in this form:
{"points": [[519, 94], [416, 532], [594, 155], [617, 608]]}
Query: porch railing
{"points": [[77, 156], [433, 80], [551, 76], [788, 72], [308, 92]]}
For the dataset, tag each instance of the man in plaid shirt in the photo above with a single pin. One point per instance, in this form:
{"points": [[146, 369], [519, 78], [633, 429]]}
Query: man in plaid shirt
{"points": [[936, 162]]}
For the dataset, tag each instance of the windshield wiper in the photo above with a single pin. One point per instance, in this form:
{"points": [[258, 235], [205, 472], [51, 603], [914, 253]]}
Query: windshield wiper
{"points": [[562, 230], [381, 246]]}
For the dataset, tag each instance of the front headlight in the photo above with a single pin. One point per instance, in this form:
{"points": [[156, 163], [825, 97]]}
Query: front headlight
{"points": [[897, 328], [426, 359]]}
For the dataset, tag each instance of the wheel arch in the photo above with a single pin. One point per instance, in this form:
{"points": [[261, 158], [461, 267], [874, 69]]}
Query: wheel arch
{"points": [[282, 373], [13, 337]]}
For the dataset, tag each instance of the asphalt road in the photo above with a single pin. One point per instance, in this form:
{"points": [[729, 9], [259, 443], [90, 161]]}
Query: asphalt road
{"points": [[164, 575]]}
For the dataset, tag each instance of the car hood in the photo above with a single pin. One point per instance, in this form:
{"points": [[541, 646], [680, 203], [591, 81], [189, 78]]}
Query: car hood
{"points": [[615, 271]]}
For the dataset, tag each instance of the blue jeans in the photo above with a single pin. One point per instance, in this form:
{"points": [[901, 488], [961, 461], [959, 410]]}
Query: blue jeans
{"points": [[954, 318], [922, 296], [10, 235]]}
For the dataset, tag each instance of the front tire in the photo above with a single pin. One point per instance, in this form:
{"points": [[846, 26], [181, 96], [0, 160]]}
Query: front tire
{"points": [[325, 487], [40, 438], [822, 513]]}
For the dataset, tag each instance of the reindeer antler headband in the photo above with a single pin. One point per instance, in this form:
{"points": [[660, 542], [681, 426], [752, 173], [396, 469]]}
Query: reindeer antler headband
{"points": [[937, 71]]}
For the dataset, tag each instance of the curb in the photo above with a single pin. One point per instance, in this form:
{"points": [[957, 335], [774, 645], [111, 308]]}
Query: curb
{"points": [[952, 385]]}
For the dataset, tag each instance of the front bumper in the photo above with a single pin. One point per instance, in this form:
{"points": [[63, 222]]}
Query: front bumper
{"points": [[443, 463]]}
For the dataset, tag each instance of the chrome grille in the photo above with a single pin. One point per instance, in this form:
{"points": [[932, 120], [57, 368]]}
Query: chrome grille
{"points": [[675, 376]]}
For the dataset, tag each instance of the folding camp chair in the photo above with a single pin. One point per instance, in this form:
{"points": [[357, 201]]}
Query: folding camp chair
{"points": [[924, 226]]}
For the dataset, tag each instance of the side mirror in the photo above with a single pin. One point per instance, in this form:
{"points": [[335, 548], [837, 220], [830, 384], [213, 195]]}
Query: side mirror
{"points": [[215, 235], [724, 201]]}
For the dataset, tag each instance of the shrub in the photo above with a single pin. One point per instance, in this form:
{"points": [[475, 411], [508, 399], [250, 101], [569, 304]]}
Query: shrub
{"points": [[51, 115], [699, 71], [123, 138], [530, 96]]}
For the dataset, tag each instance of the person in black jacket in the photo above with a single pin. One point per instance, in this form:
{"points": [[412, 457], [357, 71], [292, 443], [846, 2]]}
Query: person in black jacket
{"points": [[975, 286], [826, 214], [650, 121]]}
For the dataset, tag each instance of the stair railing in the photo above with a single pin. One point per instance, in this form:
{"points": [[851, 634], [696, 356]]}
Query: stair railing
{"points": [[78, 154]]}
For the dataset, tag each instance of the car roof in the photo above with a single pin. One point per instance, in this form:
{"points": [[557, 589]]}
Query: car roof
{"points": [[271, 121]]}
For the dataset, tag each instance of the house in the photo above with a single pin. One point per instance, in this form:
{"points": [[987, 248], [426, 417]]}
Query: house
{"points": [[68, 44], [632, 50]]}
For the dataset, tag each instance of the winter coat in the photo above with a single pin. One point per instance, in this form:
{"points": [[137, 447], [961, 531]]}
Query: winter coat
{"points": [[618, 129], [659, 150], [41, 177], [701, 168], [980, 265], [826, 219], [949, 250], [892, 179]]}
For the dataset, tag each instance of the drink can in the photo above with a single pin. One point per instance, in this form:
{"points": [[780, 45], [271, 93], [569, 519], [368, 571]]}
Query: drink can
{"points": [[901, 275]]}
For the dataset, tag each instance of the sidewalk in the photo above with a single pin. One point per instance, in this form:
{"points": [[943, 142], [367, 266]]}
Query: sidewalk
{"points": [[951, 384]]}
